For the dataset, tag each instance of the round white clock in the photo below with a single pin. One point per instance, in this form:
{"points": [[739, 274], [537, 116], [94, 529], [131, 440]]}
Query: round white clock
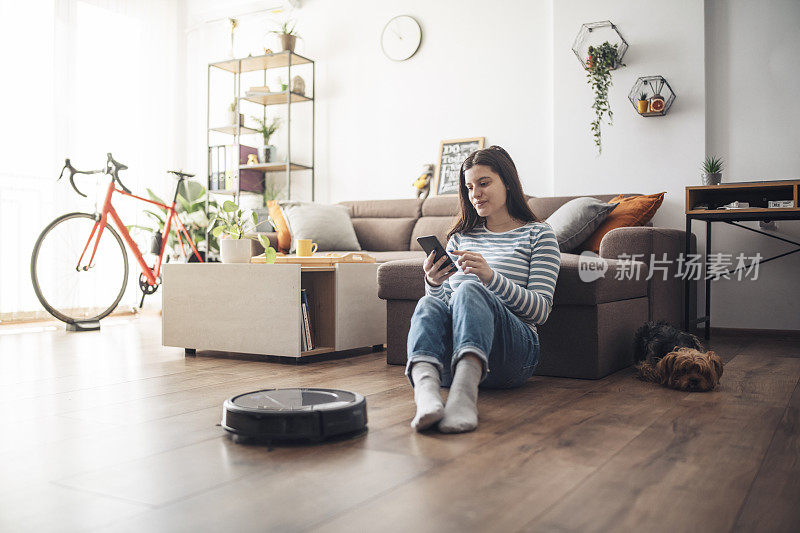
{"points": [[401, 38]]}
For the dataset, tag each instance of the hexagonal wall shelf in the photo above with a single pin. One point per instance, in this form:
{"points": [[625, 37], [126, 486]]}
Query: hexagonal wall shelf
{"points": [[595, 34], [655, 87]]}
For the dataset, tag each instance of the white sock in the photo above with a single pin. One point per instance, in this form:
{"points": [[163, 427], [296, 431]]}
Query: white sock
{"points": [[430, 408], [461, 411]]}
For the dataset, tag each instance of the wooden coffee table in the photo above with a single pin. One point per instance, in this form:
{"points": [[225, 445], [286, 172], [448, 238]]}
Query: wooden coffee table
{"points": [[255, 309]]}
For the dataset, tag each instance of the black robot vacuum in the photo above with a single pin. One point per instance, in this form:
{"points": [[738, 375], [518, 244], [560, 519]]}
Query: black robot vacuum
{"points": [[294, 414]]}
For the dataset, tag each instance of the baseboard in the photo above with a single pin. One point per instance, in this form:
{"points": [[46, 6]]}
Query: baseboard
{"points": [[741, 332]]}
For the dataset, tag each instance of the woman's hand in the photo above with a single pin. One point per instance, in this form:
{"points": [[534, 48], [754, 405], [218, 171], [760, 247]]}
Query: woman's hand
{"points": [[474, 263], [433, 275]]}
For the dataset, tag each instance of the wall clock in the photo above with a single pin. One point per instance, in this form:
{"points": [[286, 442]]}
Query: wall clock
{"points": [[401, 38]]}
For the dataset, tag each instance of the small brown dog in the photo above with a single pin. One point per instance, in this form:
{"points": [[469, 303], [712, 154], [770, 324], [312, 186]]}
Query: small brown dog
{"points": [[684, 369]]}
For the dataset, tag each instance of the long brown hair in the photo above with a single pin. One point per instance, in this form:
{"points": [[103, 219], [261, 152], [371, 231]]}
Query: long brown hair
{"points": [[500, 162]]}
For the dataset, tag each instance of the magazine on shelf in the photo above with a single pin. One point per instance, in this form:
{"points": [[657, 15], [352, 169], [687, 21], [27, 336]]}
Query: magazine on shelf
{"points": [[303, 337], [306, 314]]}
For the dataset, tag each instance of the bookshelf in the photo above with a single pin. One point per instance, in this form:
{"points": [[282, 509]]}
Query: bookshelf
{"points": [[230, 81]]}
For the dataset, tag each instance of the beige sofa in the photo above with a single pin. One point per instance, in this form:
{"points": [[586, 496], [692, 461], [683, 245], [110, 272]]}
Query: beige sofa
{"points": [[590, 330]]}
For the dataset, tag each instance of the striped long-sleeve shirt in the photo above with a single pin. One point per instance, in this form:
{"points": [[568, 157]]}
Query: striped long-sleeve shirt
{"points": [[525, 261]]}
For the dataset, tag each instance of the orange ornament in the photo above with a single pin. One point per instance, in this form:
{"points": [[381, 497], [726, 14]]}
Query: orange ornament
{"points": [[657, 104]]}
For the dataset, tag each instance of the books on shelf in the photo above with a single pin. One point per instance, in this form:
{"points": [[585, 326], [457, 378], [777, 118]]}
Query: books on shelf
{"points": [[220, 168], [224, 173], [305, 322]]}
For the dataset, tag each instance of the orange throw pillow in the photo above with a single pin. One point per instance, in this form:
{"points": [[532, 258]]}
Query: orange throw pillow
{"points": [[631, 211], [284, 235]]}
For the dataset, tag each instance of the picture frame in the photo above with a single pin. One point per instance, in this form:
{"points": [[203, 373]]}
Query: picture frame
{"points": [[451, 155]]}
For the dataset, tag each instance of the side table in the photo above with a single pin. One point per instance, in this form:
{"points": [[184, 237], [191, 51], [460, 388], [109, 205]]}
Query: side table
{"points": [[705, 203], [255, 308]]}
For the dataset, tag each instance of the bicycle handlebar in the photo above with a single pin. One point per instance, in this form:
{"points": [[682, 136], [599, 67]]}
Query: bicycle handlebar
{"points": [[112, 168]]}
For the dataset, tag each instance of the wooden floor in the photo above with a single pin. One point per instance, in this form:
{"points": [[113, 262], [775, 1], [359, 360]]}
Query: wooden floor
{"points": [[110, 431]]}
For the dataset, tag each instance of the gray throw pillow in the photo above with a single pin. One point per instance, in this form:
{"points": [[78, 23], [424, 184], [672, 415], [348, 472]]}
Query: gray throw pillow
{"points": [[577, 219], [327, 225]]}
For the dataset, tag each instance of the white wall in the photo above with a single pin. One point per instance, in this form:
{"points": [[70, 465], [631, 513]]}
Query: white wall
{"points": [[505, 70], [751, 70], [483, 69], [646, 155]]}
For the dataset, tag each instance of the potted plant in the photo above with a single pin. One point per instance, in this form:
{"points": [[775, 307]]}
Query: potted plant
{"points": [[233, 116], [269, 252], [642, 103], [191, 210], [231, 225], [287, 35], [267, 130], [602, 60], [712, 170]]}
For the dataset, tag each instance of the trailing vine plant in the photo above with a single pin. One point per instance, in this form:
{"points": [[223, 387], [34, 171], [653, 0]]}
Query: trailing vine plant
{"points": [[601, 60]]}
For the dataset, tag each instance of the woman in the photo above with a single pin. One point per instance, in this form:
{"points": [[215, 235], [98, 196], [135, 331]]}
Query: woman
{"points": [[477, 325]]}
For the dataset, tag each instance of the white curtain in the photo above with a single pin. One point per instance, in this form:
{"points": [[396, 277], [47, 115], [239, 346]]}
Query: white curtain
{"points": [[82, 78]]}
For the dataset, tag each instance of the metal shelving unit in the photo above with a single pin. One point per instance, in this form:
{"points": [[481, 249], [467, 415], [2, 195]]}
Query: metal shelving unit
{"points": [[237, 67]]}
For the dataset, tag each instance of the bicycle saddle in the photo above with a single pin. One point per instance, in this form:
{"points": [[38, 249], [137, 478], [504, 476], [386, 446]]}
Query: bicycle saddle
{"points": [[180, 174]]}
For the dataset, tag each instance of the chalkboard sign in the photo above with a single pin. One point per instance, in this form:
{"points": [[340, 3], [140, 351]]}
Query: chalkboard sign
{"points": [[451, 155]]}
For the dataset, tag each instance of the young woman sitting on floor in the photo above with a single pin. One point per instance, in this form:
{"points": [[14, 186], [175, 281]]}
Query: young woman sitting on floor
{"points": [[477, 325]]}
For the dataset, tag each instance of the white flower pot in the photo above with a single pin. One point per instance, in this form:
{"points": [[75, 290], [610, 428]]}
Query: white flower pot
{"points": [[235, 250]]}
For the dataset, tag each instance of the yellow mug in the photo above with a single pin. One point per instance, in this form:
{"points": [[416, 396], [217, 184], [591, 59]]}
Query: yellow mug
{"points": [[306, 248]]}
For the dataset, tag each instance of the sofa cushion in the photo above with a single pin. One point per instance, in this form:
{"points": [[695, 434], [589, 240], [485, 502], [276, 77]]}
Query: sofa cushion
{"points": [[384, 257], [441, 206], [405, 280], [544, 207], [403, 208], [384, 225], [438, 226], [574, 221], [327, 225], [284, 238], [384, 234], [634, 210]]}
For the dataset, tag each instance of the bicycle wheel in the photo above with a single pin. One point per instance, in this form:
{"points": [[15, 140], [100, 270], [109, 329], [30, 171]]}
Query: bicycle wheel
{"points": [[73, 295]]}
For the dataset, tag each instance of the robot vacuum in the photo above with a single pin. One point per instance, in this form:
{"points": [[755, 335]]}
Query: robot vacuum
{"points": [[294, 414]]}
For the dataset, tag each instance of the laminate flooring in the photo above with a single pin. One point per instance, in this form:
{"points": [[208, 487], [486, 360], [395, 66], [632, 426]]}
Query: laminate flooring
{"points": [[110, 431]]}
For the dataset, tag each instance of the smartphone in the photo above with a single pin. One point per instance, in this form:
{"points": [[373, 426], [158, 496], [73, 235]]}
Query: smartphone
{"points": [[430, 243]]}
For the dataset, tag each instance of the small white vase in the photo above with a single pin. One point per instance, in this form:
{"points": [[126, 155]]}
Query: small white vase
{"points": [[235, 250], [231, 117]]}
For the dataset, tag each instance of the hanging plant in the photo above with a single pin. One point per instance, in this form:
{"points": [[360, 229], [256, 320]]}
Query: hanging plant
{"points": [[602, 59]]}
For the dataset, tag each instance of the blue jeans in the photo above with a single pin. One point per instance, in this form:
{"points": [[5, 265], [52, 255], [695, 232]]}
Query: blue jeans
{"points": [[476, 322]]}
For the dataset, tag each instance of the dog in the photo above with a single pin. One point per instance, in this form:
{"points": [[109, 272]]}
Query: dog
{"points": [[684, 369], [654, 340], [675, 358]]}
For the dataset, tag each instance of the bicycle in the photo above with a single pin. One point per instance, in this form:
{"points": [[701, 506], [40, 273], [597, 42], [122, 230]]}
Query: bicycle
{"points": [[74, 290]]}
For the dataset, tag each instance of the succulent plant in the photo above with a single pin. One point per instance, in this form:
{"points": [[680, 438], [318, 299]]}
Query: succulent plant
{"points": [[712, 165], [643, 96]]}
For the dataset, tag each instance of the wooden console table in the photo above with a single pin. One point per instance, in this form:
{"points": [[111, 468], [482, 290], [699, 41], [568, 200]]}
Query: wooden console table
{"points": [[757, 194], [255, 308]]}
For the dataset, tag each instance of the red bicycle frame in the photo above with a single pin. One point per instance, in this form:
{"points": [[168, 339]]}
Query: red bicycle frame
{"points": [[108, 209]]}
